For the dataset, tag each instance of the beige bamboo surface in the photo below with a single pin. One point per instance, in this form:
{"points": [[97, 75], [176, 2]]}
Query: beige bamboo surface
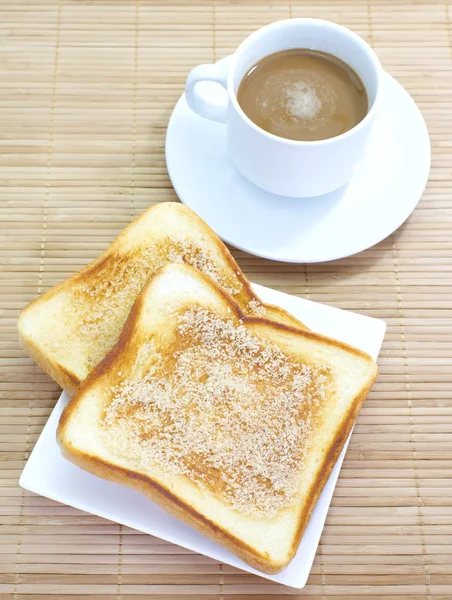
{"points": [[86, 90]]}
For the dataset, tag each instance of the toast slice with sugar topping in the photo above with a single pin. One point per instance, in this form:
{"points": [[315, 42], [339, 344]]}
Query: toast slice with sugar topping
{"points": [[231, 423], [70, 328]]}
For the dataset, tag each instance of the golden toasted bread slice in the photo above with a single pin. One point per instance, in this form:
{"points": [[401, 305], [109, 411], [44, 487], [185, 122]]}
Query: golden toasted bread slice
{"points": [[70, 328], [230, 423]]}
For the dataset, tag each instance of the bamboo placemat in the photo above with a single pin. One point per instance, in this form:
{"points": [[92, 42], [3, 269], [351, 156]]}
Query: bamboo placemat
{"points": [[86, 90]]}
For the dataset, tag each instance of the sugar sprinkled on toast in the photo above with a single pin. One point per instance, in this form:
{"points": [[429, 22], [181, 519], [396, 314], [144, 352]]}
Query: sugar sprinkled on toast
{"points": [[227, 409]]}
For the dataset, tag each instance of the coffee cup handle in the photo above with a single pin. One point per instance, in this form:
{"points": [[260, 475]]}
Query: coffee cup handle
{"points": [[214, 108]]}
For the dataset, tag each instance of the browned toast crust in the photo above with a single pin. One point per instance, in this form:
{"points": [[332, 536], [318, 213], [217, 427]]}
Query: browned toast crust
{"points": [[163, 496]]}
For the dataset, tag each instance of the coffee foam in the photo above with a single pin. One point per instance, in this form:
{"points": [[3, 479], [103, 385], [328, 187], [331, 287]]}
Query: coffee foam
{"points": [[294, 96], [302, 101]]}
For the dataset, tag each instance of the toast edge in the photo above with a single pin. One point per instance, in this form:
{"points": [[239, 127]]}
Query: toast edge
{"points": [[332, 456], [67, 380], [169, 502]]}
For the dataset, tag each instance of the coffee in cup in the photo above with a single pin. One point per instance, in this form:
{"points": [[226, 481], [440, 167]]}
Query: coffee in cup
{"points": [[303, 94]]}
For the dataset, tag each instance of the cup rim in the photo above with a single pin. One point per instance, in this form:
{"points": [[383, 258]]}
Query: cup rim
{"points": [[328, 25]]}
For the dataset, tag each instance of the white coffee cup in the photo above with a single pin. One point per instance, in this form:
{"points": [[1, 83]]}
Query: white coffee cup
{"points": [[278, 165]]}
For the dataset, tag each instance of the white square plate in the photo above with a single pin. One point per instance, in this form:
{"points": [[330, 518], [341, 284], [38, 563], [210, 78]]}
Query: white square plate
{"points": [[47, 473]]}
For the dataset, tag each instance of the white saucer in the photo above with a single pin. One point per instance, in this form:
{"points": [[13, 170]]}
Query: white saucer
{"points": [[382, 194]]}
